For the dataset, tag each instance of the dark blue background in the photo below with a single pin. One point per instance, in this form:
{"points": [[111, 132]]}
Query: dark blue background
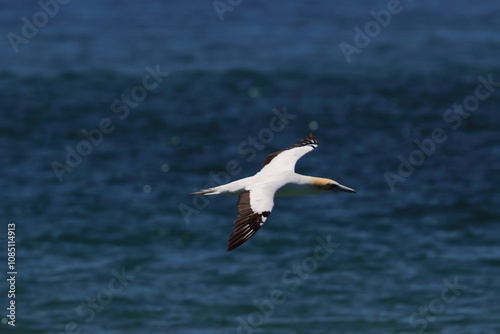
{"points": [[114, 245]]}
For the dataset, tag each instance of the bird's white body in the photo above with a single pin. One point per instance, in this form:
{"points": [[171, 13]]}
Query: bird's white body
{"points": [[277, 178], [285, 184]]}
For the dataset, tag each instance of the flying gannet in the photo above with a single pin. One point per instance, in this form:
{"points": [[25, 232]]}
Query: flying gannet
{"points": [[277, 178]]}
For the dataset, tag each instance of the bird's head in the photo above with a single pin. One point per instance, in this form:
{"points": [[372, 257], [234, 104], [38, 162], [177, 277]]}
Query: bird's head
{"points": [[328, 185]]}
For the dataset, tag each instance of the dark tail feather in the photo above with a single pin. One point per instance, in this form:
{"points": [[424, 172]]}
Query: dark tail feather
{"points": [[202, 192]]}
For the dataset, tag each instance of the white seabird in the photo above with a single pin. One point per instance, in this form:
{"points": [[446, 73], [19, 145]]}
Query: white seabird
{"points": [[277, 178]]}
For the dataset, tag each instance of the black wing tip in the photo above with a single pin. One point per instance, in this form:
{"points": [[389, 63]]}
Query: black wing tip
{"points": [[246, 224], [235, 244], [306, 141], [311, 138], [245, 231], [229, 249]]}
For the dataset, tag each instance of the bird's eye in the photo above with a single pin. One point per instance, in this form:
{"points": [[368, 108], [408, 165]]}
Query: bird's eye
{"points": [[333, 186]]}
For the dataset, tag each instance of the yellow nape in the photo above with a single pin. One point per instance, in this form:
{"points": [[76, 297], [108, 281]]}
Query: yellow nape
{"points": [[322, 182]]}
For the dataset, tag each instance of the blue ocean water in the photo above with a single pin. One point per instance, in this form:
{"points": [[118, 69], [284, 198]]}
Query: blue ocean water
{"points": [[112, 112]]}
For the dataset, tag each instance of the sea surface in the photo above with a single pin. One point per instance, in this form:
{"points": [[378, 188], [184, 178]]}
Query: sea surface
{"points": [[112, 111]]}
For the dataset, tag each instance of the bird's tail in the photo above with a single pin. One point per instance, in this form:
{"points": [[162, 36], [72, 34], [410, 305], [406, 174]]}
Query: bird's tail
{"points": [[204, 192], [230, 189]]}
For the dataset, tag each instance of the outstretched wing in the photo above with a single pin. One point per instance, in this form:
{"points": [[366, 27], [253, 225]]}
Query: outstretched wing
{"points": [[254, 206], [286, 159]]}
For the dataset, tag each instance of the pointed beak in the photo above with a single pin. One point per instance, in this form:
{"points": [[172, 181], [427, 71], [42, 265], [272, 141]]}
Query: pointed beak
{"points": [[345, 189]]}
